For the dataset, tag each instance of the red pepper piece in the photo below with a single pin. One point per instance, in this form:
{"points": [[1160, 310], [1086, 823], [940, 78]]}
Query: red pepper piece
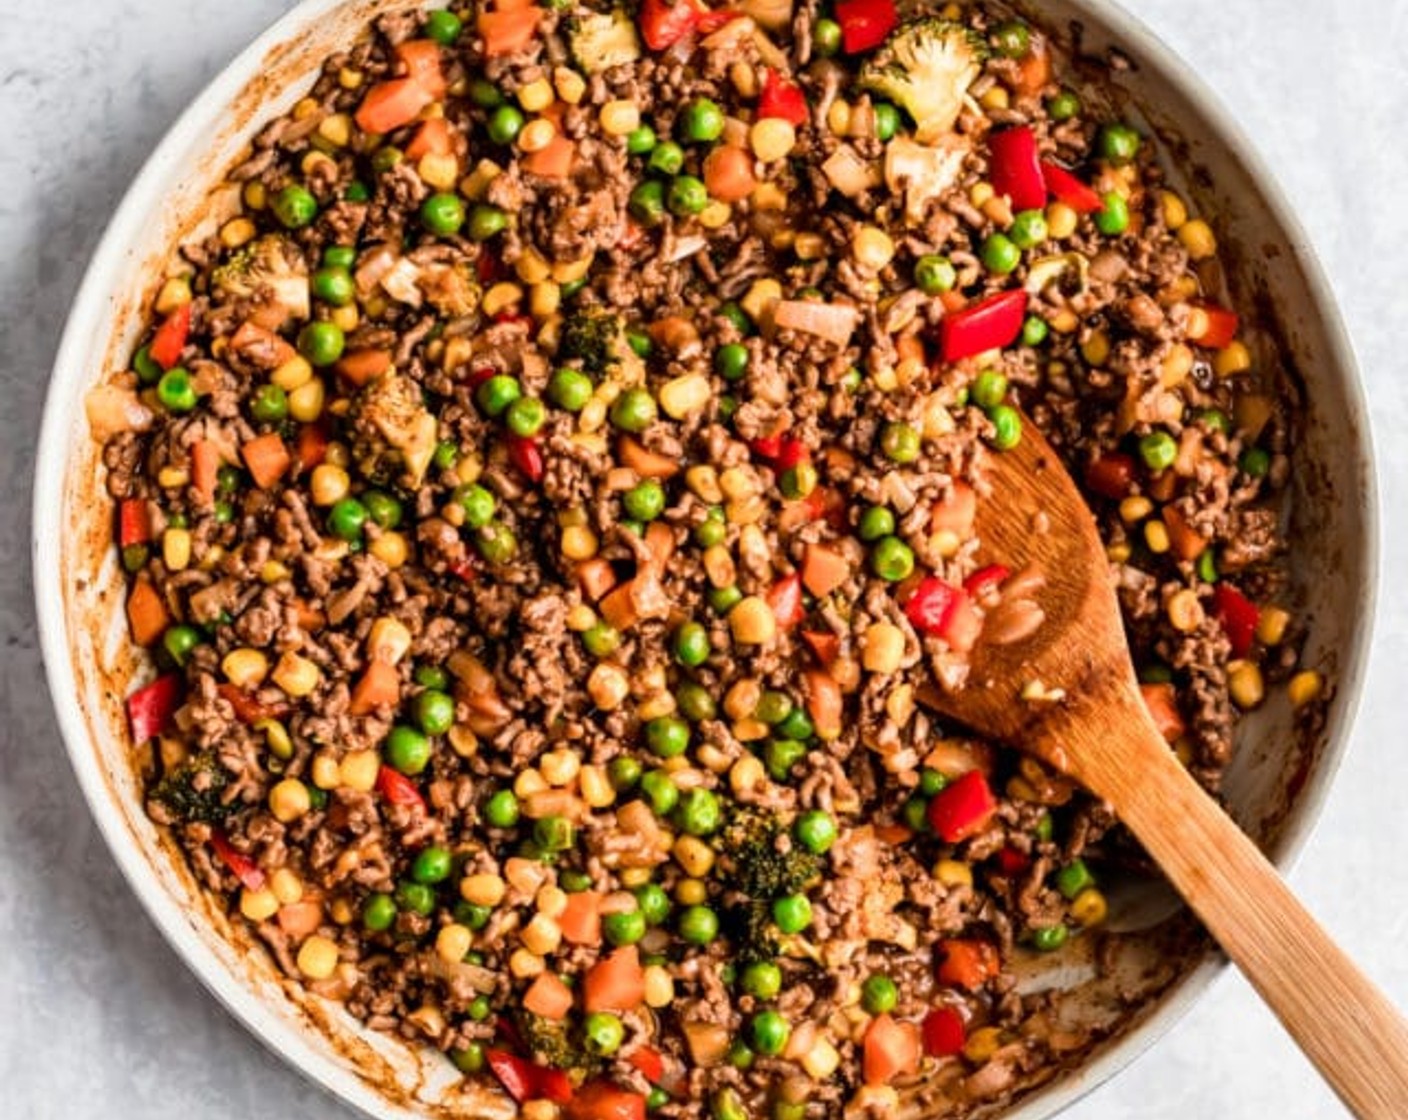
{"points": [[932, 605], [988, 325], [1065, 187], [785, 599], [134, 526], [790, 453], [527, 455], [767, 447], [170, 337], [397, 788], [709, 22], [150, 708], [312, 446], [1015, 168], [986, 579], [249, 709], [241, 866], [463, 569], [1239, 617], [1011, 862], [515, 1074], [1222, 327], [943, 1033], [962, 808], [488, 267], [1111, 476], [603, 1100], [781, 98], [650, 1063], [552, 1084], [865, 23], [663, 24], [825, 645]]}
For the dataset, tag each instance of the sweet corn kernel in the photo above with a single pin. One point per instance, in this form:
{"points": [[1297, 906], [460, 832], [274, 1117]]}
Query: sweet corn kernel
{"points": [[439, 170], [1198, 239], [536, 96], [317, 958], [1304, 687], [695, 856], [1173, 209], [289, 800], [982, 1044], [348, 78], [305, 404], [501, 297], [995, 98], [1134, 509], [326, 772], [560, 767], [659, 987], [537, 135], [691, 892], [486, 889], [175, 293], [945, 543], [1185, 612], [255, 196], [768, 196], [287, 886], [822, 1060], [389, 640], [258, 906], [1232, 359], [685, 396], [1176, 366], [882, 648], [595, 787], [752, 622], [1119, 553], [296, 675], [772, 138], [809, 246], [540, 1109], [567, 272], [760, 299], [953, 873], [274, 571], [544, 299], [716, 214], [293, 374], [358, 770], [1096, 349], [619, 117], [1089, 907], [570, 85], [632, 877], [524, 965], [656, 706], [746, 775], [529, 782], [872, 247], [237, 232], [744, 80], [173, 478], [342, 912], [608, 687], [476, 183], [838, 117], [1061, 221], [336, 129], [453, 942], [176, 549], [1244, 682], [245, 667], [1271, 626], [390, 548], [542, 935], [1156, 537], [329, 484], [579, 542]]}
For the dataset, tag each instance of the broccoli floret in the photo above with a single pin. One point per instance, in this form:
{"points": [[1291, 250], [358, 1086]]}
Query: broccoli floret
{"points": [[595, 338], [270, 269], [765, 861], [926, 66], [554, 1044], [751, 931], [602, 40], [193, 790]]}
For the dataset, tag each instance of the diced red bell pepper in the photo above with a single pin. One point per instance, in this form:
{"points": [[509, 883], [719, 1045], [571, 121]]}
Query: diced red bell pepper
{"points": [[1222, 327], [782, 98], [962, 808], [134, 526], [943, 1032], [170, 338], [397, 788], [967, 962], [248, 708], [1015, 168], [865, 23], [943, 611], [515, 1074], [463, 569], [1065, 187], [552, 1084], [988, 325], [312, 445], [1239, 617], [790, 453], [1111, 475], [150, 708], [785, 599], [488, 267], [650, 1063], [986, 579], [709, 22], [663, 24], [527, 455], [825, 645], [241, 866], [603, 1100], [1011, 862], [767, 447]]}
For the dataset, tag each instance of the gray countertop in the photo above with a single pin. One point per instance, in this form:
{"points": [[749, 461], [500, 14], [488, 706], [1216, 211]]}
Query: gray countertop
{"points": [[99, 1018]]}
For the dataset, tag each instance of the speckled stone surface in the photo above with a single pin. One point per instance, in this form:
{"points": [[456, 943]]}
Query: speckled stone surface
{"points": [[98, 1018]]}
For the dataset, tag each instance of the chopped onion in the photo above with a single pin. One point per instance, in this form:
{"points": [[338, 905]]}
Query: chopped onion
{"points": [[923, 172], [112, 409], [849, 173], [834, 322], [401, 283], [377, 264], [775, 15]]}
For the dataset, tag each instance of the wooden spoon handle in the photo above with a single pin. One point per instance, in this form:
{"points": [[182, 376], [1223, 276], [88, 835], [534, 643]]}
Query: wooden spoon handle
{"points": [[1343, 1022]]}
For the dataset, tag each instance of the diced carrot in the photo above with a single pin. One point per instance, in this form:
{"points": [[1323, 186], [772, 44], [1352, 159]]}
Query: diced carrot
{"points": [[728, 173], [823, 643], [824, 570], [967, 963], [616, 983], [1162, 701], [548, 997], [248, 707], [619, 608], [433, 138], [261, 346], [552, 161], [891, 1048], [645, 462], [205, 469], [893, 833], [301, 919], [605, 1100], [953, 301], [956, 512], [580, 920], [512, 5], [309, 618], [379, 687], [312, 446], [1162, 486], [362, 366], [389, 105], [1187, 542], [508, 31], [1034, 70], [146, 613], [660, 543], [267, 459], [823, 702], [596, 578], [422, 59]]}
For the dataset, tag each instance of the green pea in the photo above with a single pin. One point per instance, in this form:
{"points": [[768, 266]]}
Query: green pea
{"points": [[798, 482], [768, 1032], [442, 214], [624, 927], [487, 96], [1045, 828], [554, 833], [180, 641], [1117, 143], [736, 316], [1063, 105], [694, 702], [934, 274], [634, 410], [386, 158], [1074, 878], [781, 755], [175, 391], [1112, 219], [496, 543], [796, 725], [691, 645], [480, 1008], [639, 141], [713, 529], [444, 27], [891, 559], [989, 389], [657, 1098], [148, 370], [915, 813], [347, 519], [667, 158], [667, 736], [574, 881], [604, 1033], [496, 394], [699, 813], [887, 120], [486, 222], [724, 599], [826, 37], [699, 925], [1034, 331], [1215, 420], [502, 809], [816, 829], [435, 711], [876, 522], [1047, 939], [1255, 462], [931, 781], [357, 191], [1158, 450], [407, 749], [660, 789], [623, 772], [432, 865], [879, 995], [415, 897], [740, 1055], [382, 508], [475, 917], [428, 676], [334, 286], [294, 206], [269, 404], [999, 254], [478, 504], [572, 287], [378, 913], [525, 417], [654, 903], [601, 639], [647, 202], [702, 121], [446, 454], [773, 707], [321, 343], [224, 513], [731, 361], [570, 389], [468, 1058], [687, 196], [1007, 427], [1207, 566], [900, 443], [1028, 229], [135, 557], [639, 342], [505, 123], [645, 501], [762, 979], [793, 913], [1012, 39]]}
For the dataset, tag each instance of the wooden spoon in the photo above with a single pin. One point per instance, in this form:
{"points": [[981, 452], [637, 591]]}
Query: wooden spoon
{"points": [[1094, 727]]}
